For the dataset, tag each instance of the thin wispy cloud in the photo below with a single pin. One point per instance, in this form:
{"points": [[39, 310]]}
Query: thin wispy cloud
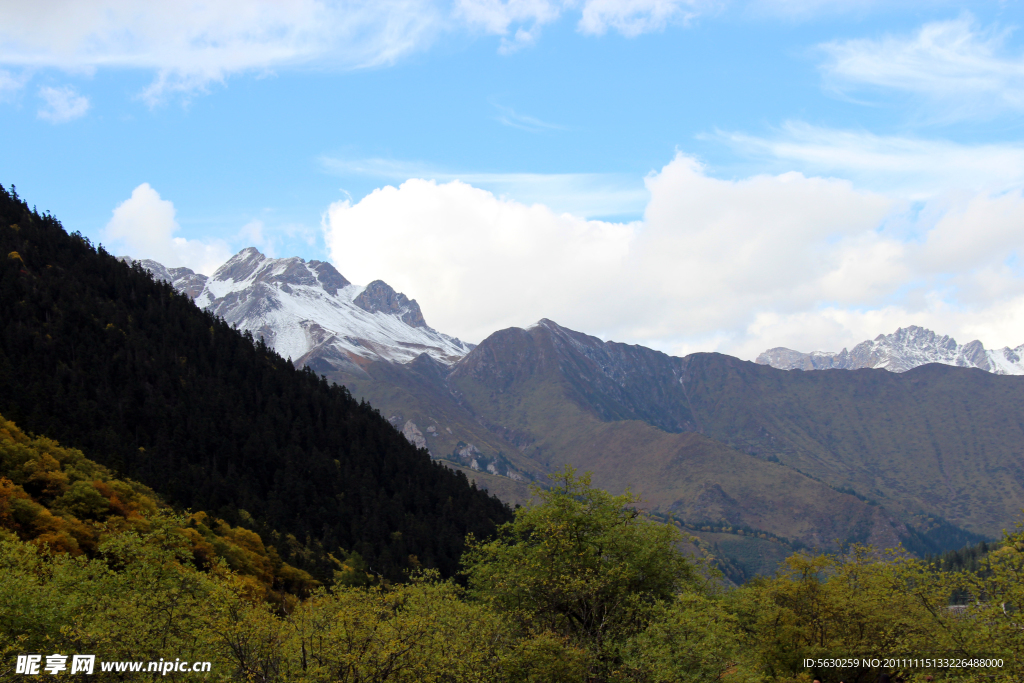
{"points": [[912, 166], [809, 9], [507, 116], [10, 82], [61, 105], [581, 194], [519, 22], [632, 18], [192, 47], [960, 69]]}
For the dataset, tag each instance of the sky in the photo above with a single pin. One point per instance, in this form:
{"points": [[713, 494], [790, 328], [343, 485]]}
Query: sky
{"points": [[690, 175]]}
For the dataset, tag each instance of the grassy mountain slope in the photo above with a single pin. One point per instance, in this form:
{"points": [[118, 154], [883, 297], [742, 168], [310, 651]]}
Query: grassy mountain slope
{"points": [[97, 355], [937, 440], [691, 476]]}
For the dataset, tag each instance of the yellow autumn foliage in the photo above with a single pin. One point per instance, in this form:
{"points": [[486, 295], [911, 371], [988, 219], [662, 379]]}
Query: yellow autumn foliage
{"points": [[56, 498]]}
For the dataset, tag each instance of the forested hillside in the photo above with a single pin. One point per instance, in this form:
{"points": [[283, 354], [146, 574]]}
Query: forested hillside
{"points": [[97, 355]]}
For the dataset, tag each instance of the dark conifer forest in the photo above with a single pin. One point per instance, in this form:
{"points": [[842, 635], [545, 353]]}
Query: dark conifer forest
{"points": [[97, 355]]}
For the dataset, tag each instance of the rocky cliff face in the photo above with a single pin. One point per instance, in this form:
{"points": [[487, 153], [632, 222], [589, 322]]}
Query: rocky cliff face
{"points": [[379, 297], [900, 351], [185, 280], [309, 312]]}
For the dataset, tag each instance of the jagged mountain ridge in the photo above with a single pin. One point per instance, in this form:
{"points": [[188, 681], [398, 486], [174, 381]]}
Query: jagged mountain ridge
{"points": [[904, 349], [185, 280], [311, 313]]}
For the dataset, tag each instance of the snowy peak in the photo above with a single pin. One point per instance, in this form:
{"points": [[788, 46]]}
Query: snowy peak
{"points": [[309, 312], [249, 268], [185, 280], [240, 267], [379, 297], [900, 351]]}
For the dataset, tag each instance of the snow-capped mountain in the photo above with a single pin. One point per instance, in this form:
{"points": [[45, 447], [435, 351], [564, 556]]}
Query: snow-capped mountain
{"points": [[185, 280], [309, 312], [900, 351]]}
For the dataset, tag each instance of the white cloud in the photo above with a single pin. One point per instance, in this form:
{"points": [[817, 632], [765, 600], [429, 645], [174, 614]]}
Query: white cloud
{"points": [[62, 104], [634, 17], [10, 83], [252, 234], [731, 265], [192, 44], [500, 17], [912, 166], [963, 71], [519, 21], [143, 227], [494, 259]]}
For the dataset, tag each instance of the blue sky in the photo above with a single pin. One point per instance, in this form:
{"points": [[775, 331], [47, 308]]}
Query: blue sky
{"points": [[686, 174]]}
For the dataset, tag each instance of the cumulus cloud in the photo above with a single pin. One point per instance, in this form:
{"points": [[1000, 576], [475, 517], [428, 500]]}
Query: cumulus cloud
{"points": [[490, 260], [62, 104], [143, 227], [963, 70], [731, 265]]}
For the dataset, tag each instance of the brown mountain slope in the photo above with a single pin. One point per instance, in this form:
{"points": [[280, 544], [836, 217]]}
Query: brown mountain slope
{"points": [[689, 475], [514, 403], [936, 440], [721, 442], [415, 399]]}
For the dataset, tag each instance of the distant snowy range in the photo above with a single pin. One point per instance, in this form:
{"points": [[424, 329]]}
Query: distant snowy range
{"points": [[309, 312], [900, 351]]}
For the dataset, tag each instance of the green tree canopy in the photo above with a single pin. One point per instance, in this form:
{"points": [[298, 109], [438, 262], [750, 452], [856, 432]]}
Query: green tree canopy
{"points": [[583, 564]]}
